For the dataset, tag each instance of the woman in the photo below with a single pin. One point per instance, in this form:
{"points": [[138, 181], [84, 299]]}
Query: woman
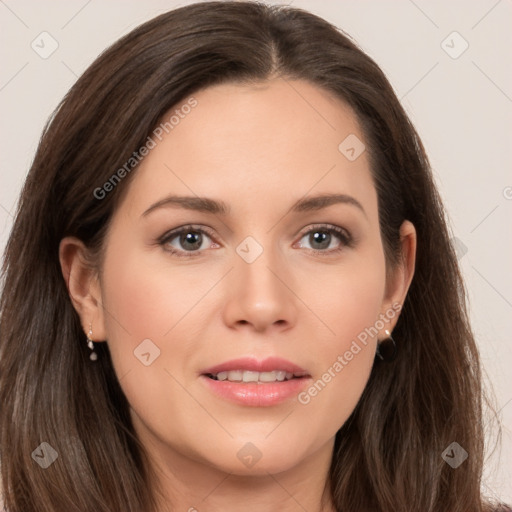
{"points": [[230, 283]]}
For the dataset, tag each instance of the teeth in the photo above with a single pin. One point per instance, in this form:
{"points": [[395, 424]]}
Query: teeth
{"points": [[250, 376], [278, 375]]}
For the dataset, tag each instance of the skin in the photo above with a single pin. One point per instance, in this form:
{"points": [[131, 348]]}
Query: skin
{"points": [[259, 149]]}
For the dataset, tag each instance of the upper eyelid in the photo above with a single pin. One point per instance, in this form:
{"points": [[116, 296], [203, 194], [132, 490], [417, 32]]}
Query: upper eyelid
{"points": [[189, 227]]}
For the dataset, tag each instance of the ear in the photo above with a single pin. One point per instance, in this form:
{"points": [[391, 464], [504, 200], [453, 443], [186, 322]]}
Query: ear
{"points": [[399, 279], [83, 286]]}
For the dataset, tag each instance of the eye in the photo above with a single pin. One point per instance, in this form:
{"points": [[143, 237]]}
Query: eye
{"points": [[190, 241], [187, 239], [326, 239]]}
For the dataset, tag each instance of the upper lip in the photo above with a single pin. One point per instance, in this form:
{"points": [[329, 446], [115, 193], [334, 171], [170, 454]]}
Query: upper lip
{"points": [[252, 364]]}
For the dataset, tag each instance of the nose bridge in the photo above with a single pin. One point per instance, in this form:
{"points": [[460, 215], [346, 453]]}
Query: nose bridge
{"points": [[257, 291], [257, 265]]}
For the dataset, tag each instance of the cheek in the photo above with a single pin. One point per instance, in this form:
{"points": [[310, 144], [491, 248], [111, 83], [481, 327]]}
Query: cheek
{"points": [[151, 307], [349, 307], [348, 297], [137, 303], [145, 307], [145, 299], [139, 308]]}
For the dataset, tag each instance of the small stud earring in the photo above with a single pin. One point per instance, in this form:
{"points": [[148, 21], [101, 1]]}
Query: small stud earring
{"points": [[386, 349], [93, 356]]}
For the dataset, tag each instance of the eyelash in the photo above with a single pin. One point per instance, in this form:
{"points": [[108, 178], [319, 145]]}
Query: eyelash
{"points": [[343, 235]]}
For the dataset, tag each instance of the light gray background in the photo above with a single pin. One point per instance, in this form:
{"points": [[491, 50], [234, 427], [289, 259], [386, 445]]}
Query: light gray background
{"points": [[462, 108]]}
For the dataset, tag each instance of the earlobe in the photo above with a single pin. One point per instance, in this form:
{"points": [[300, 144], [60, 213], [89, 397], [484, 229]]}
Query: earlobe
{"points": [[83, 286]]}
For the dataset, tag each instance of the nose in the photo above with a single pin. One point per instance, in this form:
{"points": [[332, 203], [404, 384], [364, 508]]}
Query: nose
{"points": [[260, 295]]}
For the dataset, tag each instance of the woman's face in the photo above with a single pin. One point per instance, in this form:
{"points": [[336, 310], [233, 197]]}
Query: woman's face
{"points": [[264, 275]]}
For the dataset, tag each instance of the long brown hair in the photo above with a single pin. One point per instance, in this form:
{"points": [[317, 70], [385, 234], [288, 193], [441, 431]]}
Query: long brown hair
{"points": [[387, 455]]}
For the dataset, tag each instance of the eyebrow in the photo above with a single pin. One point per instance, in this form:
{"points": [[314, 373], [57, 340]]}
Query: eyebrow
{"points": [[207, 205]]}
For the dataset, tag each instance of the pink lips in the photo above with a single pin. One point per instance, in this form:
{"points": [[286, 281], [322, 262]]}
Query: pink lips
{"points": [[248, 363], [256, 394]]}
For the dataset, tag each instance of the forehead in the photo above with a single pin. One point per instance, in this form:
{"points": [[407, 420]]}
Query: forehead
{"points": [[269, 142]]}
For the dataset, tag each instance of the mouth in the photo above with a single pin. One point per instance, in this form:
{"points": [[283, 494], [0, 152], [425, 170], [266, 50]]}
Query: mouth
{"points": [[250, 382], [247, 376]]}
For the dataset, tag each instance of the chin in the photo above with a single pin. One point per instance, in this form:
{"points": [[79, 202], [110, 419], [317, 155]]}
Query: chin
{"points": [[256, 456]]}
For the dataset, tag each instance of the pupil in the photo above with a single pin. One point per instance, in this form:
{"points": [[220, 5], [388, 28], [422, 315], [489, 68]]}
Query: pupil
{"points": [[322, 238], [191, 238]]}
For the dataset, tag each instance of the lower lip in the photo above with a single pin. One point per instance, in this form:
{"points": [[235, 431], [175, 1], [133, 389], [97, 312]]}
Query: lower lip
{"points": [[254, 394]]}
